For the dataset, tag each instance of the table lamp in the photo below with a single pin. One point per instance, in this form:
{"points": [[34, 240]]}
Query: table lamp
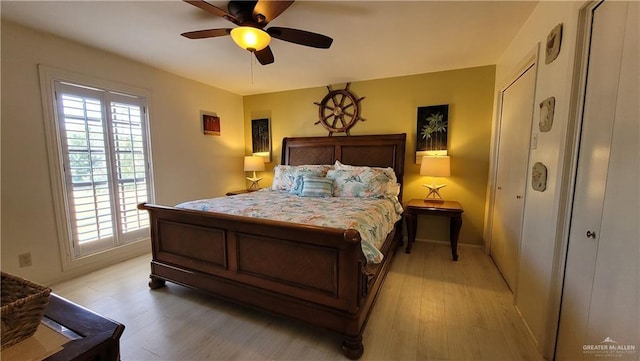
{"points": [[435, 166], [253, 164]]}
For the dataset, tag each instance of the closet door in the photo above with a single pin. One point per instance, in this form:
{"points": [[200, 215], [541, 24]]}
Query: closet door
{"points": [[513, 151], [600, 311]]}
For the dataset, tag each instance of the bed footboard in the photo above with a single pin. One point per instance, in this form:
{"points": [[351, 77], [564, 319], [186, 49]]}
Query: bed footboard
{"points": [[313, 274]]}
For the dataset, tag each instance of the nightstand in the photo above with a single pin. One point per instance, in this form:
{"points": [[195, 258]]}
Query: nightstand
{"points": [[240, 191], [450, 209]]}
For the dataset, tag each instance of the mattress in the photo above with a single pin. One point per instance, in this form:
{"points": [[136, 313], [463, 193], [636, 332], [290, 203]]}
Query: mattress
{"points": [[373, 218]]}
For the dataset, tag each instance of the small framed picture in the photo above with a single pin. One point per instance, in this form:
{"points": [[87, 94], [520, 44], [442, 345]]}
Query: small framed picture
{"points": [[210, 123]]}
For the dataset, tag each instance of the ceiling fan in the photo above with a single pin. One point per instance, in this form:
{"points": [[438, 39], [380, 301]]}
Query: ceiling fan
{"points": [[251, 18]]}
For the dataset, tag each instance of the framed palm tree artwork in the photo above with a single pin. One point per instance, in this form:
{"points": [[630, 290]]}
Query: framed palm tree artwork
{"points": [[261, 138], [432, 131]]}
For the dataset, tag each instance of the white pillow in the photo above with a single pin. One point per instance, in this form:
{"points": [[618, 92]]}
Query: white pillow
{"points": [[391, 188], [389, 171], [361, 182]]}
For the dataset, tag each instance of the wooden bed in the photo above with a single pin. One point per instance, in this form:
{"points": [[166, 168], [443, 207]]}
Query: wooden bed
{"points": [[313, 274]]}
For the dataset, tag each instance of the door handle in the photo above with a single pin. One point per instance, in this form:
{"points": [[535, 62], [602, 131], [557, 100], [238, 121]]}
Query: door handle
{"points": [[591, 234], [518, 197], [499, 188]]}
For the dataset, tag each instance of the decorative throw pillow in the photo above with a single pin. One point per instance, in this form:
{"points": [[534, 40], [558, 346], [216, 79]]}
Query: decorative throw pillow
{"points": [[298, 178], [296, 188], [316, 187], [284, 175]]}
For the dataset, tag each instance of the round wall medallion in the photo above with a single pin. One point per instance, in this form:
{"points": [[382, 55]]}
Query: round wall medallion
{"points": [[539, 177]]}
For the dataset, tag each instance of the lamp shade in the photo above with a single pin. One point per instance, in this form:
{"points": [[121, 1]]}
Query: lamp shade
{"points": [[253, 163], [435, 166], [250, 38]]}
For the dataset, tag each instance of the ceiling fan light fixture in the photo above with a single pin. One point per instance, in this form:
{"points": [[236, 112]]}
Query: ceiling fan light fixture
{"points": [[250, 38]]}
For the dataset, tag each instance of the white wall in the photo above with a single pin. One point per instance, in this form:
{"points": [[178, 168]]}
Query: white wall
{"points": [[186, 163], [539, 251]]}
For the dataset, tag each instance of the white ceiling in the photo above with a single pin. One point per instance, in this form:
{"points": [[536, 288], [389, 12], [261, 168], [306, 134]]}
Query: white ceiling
{"points": [[372, 39]]}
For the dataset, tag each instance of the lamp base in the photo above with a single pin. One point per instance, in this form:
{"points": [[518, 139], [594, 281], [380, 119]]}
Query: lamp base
{"points": [[434, 193], [254, 183]]}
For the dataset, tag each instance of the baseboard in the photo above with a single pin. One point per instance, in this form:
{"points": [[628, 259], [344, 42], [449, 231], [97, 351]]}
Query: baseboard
{"points": [[526, 325], [101, 260], [446, 243]]}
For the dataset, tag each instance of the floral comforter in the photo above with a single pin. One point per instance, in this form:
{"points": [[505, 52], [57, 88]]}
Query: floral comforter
{"points": [[373, 218]]}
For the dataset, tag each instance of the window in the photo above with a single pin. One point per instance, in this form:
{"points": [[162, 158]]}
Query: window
{"points": [[103, 146]]}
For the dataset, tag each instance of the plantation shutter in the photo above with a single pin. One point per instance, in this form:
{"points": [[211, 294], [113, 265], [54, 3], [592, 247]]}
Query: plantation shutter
{"points": [[106, 170], [130, 164]]}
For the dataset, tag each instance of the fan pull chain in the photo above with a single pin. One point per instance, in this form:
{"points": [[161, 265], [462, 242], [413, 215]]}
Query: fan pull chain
{"points": [[251, 57]]}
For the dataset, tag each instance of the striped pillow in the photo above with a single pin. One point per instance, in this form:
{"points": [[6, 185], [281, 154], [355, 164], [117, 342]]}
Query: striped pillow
{"points": [[298, 179], [316, 187], [284, 175]]}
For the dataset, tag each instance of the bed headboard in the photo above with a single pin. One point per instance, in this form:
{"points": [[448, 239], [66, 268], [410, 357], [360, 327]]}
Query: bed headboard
{"points": [[385, 150]]}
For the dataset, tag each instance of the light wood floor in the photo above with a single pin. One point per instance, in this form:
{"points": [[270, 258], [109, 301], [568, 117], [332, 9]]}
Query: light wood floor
{"points": [[430, 308]]}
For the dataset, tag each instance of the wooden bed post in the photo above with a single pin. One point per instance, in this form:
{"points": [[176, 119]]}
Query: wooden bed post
{"points": [[352, 347], [156, 282]]}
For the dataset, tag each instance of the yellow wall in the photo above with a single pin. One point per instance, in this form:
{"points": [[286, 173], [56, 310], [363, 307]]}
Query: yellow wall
{"points": [[390, 106]]}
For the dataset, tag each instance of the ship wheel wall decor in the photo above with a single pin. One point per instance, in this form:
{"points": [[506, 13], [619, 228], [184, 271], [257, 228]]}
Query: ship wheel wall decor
{"points": [[339, 110]]}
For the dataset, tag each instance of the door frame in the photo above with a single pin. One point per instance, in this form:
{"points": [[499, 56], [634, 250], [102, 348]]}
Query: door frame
{"points": [[530, 60], [569, 171]]}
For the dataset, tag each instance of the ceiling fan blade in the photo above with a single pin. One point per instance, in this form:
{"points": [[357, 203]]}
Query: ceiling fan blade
{"points": [[265, 56], [213, 10], [209, 33], [267, 10], [301, 37]]}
